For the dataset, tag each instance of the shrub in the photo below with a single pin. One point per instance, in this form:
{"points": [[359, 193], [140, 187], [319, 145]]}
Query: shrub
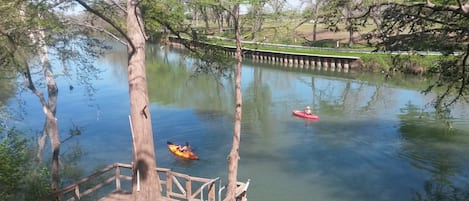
{"points": [[18, 180]]}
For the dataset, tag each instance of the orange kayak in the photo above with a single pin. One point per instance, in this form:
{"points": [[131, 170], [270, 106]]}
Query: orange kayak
{"points": [[183, 154]]}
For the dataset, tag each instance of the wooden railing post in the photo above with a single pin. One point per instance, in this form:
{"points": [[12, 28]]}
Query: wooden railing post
{"points": [[169, 184], [118, 178], [188, 189], [183, 191], [211, 192], [76, 194]]}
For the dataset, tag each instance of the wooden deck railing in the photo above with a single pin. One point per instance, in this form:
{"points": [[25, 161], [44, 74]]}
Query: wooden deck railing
{"points": [[175, 186]]}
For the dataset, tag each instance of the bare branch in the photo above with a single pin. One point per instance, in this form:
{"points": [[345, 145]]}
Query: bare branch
{"points": [[119, 6]]}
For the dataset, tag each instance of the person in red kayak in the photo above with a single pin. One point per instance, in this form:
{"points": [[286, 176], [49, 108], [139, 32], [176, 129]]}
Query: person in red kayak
{"points": [[308, 110]]}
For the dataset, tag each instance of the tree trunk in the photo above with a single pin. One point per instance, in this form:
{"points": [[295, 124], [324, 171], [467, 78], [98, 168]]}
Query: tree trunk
{"points": [[219, 18], [49, 108], [195, 17], [51, 122], [350, 27], [315, 26], [350, 36], [234, 21], [145, 183], [205, 16], [233, 157], [258, 19], [228, 20], [315, 18], [220, 21]]}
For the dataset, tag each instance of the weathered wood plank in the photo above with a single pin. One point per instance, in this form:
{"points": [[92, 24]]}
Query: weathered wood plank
{"points": [[172, 178]]}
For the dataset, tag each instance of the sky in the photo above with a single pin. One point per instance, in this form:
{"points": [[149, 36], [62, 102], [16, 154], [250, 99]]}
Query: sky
{"points": [[291, 4]]}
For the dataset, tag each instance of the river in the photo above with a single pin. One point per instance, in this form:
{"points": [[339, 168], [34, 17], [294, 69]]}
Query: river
{"points": [[373, 141]]}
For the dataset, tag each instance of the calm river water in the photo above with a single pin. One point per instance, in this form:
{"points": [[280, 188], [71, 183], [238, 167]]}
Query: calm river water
{"points": [[372, 142]]}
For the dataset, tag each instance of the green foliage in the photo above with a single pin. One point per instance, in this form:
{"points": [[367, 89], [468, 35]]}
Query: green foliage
{"points": [[7, 87], [19, 179], [37, 184], [13, 156], [165, 15], [416, 26], [330, 43]]}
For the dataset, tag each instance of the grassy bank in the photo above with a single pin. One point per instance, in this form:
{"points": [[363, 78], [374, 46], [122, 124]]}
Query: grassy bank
{"points": [[372, 61], [295, 32]]}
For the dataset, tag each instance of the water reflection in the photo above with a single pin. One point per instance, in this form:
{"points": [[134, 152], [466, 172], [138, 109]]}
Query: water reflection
{"points": [[373, 141], [441, 192], [186, 91], [361, 148], [7, 91], [437, 150]]}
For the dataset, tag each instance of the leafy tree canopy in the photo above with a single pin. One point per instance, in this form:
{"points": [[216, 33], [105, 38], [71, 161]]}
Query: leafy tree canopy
{"points": [[442, 26]]}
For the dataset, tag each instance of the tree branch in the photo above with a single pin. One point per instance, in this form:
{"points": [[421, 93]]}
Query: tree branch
{"points": [[461, 8], [28, 81], [119, 6], [114, 25], [104, 31], [140, 23], [463, 76]]}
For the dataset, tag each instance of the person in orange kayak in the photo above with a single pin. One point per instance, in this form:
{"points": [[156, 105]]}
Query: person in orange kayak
{"points": [[184, 148], [308, 110]]}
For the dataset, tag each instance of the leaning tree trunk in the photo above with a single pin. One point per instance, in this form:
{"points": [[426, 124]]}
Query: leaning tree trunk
{"points": [[146, 184], [49, 108], [51, 126], [233, 157], [38, 38]]}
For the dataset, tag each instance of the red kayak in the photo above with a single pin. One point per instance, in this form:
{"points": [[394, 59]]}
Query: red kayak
{"points": [[302, 114], [183, 154]]}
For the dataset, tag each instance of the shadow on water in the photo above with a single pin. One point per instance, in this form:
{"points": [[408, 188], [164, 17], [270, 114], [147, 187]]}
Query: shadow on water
{"points": [[437, 191], [182, 163], [435, 150]]}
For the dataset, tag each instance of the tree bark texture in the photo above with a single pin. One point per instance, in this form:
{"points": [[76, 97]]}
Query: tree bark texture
{"points": [[49, 107], [146, 184], [38, 39], [51, 121], [233, 157]]}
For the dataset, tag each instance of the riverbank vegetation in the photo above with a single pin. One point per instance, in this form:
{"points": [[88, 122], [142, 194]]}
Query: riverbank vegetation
{"points": [[370, 61], [295, 34], [411, 37], [20, 177]]}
